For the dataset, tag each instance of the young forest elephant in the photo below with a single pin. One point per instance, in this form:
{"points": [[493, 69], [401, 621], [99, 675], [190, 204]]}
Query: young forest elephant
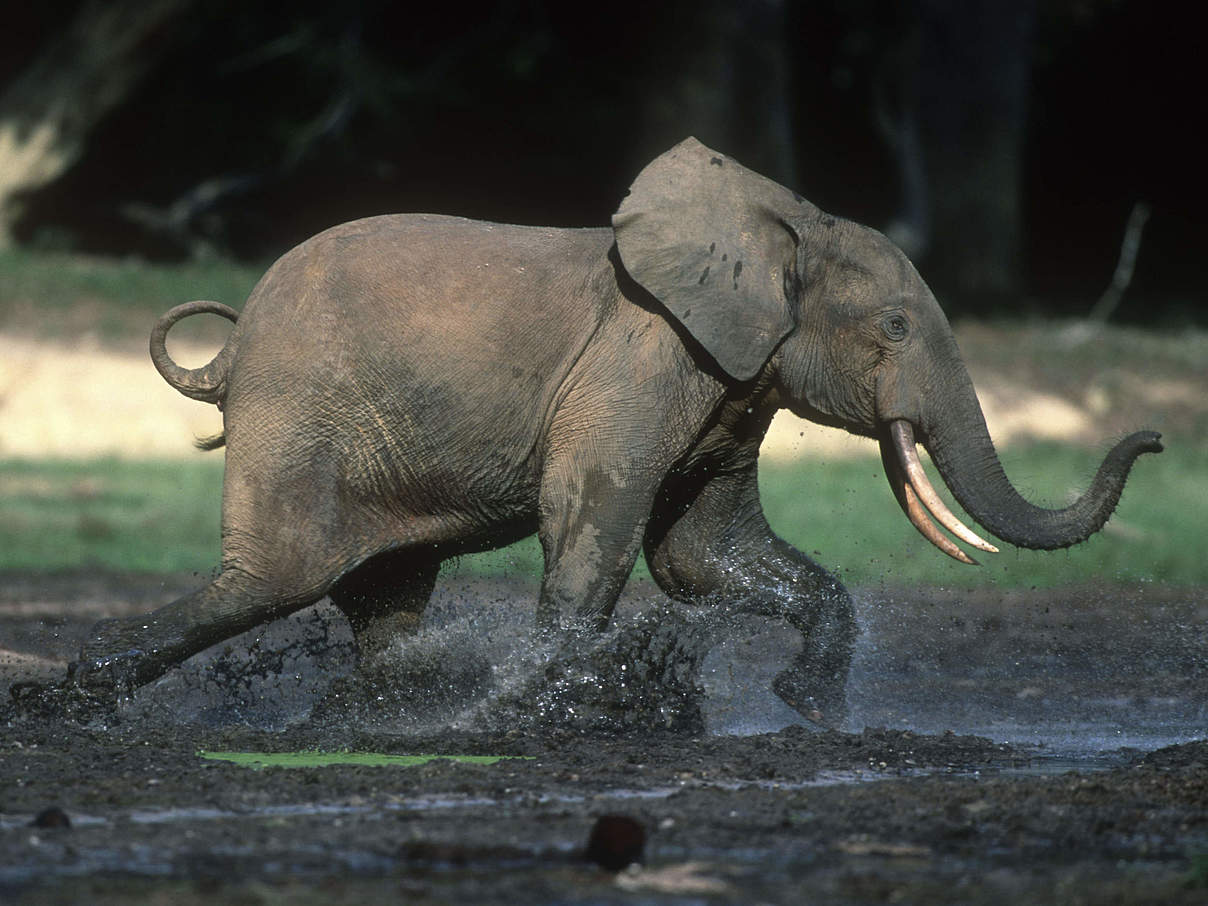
{"points": [[403, 389]]}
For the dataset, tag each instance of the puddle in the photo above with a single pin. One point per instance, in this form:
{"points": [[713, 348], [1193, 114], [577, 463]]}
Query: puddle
{"points": [[1073, 674], [1071, 683], [1056, 765], [1039, 766]]}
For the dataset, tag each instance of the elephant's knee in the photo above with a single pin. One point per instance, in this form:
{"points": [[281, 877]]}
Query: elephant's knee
{"points": [[664, 577], [685, 574]]}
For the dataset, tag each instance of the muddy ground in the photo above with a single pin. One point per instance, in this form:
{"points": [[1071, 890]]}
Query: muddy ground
{"points": [[1024, 746]]}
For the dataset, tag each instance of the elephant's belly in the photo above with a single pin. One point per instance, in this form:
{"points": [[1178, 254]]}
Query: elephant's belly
{"points": [[446, 504]]}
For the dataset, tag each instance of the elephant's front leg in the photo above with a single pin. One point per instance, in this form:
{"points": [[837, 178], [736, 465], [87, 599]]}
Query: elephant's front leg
{"points": [[591, 531], [708, 540]]}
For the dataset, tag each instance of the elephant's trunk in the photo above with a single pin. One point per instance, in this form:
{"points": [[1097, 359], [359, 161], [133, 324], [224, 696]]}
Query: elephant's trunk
{"points": [[966, 459]]}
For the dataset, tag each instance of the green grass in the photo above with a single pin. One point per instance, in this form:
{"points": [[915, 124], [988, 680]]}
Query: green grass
{"points": [[154, 517], [54, 295], [164, 517], [845, 516], [258, 760]]}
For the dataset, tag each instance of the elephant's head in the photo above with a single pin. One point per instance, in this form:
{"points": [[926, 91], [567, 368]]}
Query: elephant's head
{"points": [[849, 332]]}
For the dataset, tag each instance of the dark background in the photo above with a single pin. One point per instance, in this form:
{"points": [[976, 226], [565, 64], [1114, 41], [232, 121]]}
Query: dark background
{"points": [[1003, 143]]}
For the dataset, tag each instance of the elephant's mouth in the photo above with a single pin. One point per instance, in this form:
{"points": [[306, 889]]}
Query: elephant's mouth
{"points": [[918, 498]]}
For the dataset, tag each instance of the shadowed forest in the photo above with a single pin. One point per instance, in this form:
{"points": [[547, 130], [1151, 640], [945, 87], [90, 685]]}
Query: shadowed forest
{"points": [[1004, 145]]}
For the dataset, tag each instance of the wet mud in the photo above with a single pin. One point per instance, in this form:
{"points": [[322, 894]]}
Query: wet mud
{"points": [[1029, 746]]}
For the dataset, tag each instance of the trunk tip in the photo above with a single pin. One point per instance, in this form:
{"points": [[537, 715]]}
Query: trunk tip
{"points": [[1140, 442]]}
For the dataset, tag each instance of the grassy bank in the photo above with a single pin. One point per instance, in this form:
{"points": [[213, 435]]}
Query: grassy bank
{"points": [[61, 296], [164, 517], [111, 514]]}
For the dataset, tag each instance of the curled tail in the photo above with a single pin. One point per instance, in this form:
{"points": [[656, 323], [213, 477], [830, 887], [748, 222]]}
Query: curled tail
{"points": [[207, 383]]}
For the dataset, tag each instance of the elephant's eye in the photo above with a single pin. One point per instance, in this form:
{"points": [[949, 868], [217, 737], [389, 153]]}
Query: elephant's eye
{"points": [[895, 326]]}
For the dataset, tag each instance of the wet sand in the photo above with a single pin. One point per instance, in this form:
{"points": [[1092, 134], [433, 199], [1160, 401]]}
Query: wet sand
{"points": [[1026, 746]]}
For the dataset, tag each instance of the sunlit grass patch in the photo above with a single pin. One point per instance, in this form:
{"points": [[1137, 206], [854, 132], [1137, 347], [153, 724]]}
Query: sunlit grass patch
{"points": [[843, 513], [316, 759], [111, 514], [165, 517], [60, 294]]}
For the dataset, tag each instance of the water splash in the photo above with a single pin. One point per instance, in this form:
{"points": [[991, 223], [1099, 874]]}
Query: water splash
{"points": [[1011, 666], [269, 678], [478, 664], [659, 666]]}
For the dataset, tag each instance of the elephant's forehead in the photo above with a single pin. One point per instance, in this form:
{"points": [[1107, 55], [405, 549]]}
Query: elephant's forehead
{"points": [[855, 241]]}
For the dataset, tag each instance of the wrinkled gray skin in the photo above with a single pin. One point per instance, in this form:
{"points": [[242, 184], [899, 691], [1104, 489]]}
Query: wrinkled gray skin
{"points": [[403, 389]]}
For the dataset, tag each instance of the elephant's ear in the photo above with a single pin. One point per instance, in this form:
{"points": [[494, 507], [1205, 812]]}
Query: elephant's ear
{"points": [[714, 242]]}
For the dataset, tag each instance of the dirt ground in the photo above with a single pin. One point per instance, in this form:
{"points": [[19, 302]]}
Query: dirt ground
{"points": [[1023, 747], [76, 396]]}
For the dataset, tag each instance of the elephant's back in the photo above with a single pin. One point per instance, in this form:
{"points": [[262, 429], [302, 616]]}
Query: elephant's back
{"points": [[420, 345], [412, 268], [423, 295]]}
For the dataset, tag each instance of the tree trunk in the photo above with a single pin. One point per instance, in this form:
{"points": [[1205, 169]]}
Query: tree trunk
{"points": [[973, 105], [952, 103], [47, 112]]}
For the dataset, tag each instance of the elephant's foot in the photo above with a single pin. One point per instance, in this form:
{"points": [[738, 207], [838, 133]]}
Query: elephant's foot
{"points": [[378, 637], [118, 657], [820, 702], [116, 673]]}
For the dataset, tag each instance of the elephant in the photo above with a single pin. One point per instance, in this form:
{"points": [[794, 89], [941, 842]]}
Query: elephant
{"points": [[404, 389]]}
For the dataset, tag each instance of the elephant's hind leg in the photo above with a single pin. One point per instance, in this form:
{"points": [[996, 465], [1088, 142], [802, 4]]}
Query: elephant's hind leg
{"points": [[131, 651], [384, 598], [281, 552]]}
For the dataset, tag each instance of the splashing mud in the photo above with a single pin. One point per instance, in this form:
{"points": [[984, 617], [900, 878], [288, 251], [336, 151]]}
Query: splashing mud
{"points": [[476, 668], [1078, 671]]}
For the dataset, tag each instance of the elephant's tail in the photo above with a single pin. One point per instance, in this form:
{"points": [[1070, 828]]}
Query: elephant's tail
{"points": [[207, 383]]}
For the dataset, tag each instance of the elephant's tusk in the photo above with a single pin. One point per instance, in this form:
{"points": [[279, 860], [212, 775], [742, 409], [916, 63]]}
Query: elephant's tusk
{"points": [[909, 501], [917, 515], [903, 441]]}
